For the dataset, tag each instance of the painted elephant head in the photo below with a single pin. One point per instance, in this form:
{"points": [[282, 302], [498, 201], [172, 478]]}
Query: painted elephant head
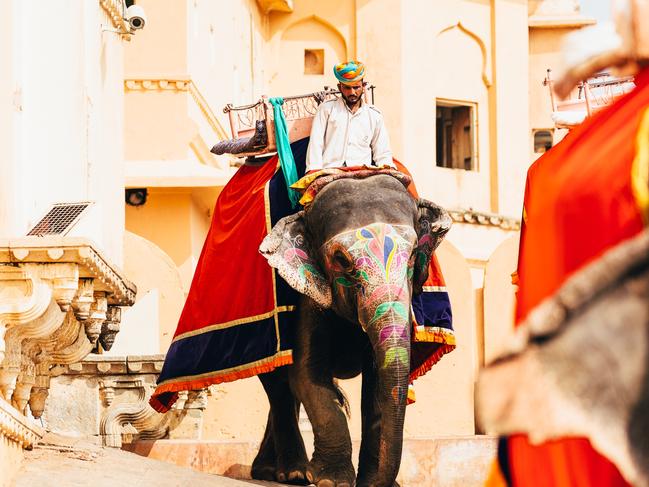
{"points": [[361, 249]]}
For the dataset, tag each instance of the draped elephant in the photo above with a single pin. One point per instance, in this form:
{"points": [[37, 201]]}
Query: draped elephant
{"points": [[357, 255]]}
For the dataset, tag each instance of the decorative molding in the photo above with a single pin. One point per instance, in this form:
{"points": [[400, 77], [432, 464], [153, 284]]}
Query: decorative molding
{"points": [[114, 10], [179, 84], [268, 6], [489, 219], [59, 300], [124, 386], [559, 22], [486, 78]]}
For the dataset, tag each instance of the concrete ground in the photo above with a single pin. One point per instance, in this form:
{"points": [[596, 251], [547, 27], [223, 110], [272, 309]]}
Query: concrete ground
{"points": [[66, 462]]}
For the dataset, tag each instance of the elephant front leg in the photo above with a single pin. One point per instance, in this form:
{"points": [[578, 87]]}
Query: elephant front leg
{"points": [[281, 455], [312, 380], [368, 460]]}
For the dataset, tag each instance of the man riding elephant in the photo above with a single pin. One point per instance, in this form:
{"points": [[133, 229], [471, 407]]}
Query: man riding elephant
{"points": [[352, 286], [347, 131]]}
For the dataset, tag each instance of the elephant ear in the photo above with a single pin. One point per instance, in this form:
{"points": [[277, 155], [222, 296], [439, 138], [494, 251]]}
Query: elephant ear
{"points": [[287, 250], [432, 226]]}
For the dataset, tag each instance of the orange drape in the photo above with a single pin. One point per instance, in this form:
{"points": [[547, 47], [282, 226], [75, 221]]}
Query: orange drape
{"points": [[581, 199]]}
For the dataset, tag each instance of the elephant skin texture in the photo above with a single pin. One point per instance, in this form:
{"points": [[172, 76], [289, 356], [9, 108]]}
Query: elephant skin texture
{"points": [[356, 256]]}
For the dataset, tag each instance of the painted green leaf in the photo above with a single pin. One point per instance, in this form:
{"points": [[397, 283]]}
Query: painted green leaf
{"points": [[384, 308], [344, 282], [304, 268], [396, 354]]}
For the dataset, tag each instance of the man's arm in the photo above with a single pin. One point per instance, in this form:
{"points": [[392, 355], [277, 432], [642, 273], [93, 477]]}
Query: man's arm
{"points": [[316, 141], [381, 152]]}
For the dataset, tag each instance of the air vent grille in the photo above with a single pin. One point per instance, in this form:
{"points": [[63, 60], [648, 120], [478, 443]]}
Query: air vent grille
{"points": [[60, 218]]}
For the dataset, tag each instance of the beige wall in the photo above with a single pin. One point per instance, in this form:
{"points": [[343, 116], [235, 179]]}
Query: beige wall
{"points": [[431, 55], [499, 298], [175, 222], [159, 293], [62, 126], [314, 24]]}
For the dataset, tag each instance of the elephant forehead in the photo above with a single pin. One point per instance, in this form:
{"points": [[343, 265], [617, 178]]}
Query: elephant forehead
{"points": [[388, 236]]}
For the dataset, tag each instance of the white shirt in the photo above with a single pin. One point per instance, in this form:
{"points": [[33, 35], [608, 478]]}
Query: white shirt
{"points": [[340, 137]]}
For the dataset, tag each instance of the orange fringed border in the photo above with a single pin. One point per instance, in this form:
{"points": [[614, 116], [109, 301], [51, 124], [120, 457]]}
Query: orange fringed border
{"points": [[434, 335], [432, 360], [242, 372]]}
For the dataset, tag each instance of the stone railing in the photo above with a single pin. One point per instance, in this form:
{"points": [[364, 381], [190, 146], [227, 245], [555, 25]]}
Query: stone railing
{"points": [[112, 395], [60, 300]]}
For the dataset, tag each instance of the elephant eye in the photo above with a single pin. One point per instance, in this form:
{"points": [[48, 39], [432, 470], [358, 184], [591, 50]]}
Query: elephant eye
{"points": [[343, 260]]}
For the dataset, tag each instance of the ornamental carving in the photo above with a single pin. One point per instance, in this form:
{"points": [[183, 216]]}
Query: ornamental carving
{"points": [[59, 301], [113, 394]]}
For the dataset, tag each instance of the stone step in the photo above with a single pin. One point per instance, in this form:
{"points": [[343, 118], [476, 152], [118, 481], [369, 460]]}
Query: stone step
{"points": [[460, 461], [74, 462]]}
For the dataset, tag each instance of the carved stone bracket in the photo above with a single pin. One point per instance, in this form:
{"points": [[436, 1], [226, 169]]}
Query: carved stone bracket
{"points": [[123, 387], [59, 300]]}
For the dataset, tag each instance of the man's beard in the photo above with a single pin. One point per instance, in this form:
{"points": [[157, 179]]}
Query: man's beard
{"points": [[351, 100]]}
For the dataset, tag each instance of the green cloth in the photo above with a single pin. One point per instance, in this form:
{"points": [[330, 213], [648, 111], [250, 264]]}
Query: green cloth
{"points": [[284, 151]]}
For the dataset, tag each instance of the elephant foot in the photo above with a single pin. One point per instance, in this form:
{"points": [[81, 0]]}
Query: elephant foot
{"points": [[368, 483], [263, 472], [294, 473], [337, 474]]}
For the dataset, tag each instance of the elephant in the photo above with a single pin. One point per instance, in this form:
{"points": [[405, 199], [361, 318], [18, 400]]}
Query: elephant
{"points": [[356, 255]]}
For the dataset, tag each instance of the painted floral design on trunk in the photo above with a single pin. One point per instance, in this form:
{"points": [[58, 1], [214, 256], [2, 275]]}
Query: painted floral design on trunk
{"points": [[377, 260]]}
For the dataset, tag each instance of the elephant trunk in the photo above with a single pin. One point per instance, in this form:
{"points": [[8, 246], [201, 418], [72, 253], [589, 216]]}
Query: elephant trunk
{"points": [[391, 344]]}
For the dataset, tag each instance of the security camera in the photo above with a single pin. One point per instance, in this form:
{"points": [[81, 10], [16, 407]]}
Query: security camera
{"points": [[135, 17]]}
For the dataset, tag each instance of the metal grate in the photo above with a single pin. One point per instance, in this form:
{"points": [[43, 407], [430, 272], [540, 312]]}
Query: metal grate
{"points": [[60, 218]]}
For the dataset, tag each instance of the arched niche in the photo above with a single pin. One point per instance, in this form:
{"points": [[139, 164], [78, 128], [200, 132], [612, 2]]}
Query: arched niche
{"points": [[159, 293], [457, 42], [463, 58], [296, 48], [499, 297]]}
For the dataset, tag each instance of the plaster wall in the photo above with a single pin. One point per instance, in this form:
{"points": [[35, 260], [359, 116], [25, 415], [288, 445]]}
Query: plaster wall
{"points": [[435, 38], [511, 85], [329, 26], [159, 282], [62, 90], [499, 298]]}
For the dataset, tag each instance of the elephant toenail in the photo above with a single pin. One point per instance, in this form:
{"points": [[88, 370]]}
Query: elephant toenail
{"points": [[296, 475], [281, 477]]}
